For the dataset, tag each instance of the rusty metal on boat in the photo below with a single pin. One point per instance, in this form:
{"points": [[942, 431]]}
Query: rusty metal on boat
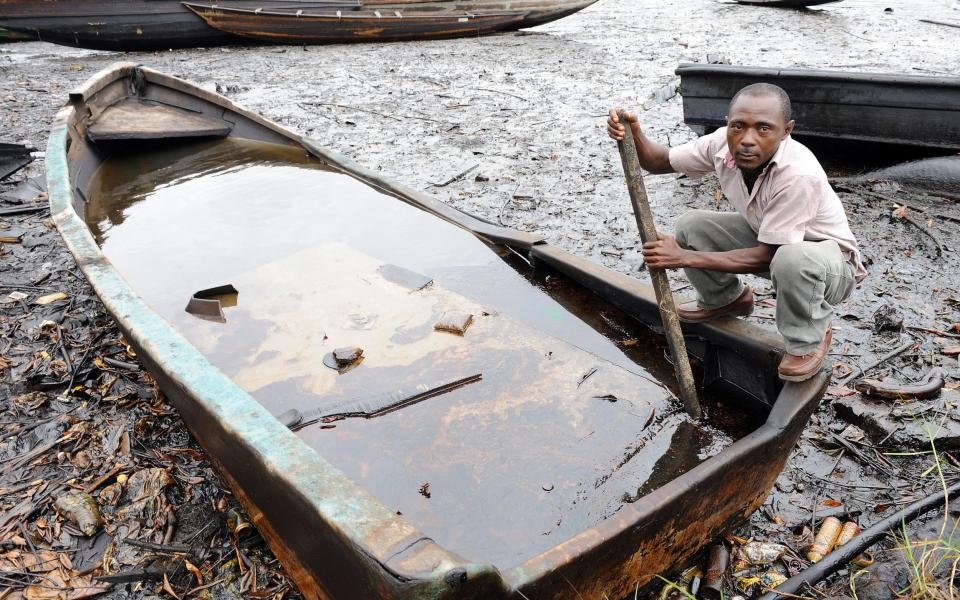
{"points": [[879, 108], [337, 538]]}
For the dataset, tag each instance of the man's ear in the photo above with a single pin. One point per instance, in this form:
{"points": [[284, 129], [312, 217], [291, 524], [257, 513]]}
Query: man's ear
{"points": [[789, 128]]}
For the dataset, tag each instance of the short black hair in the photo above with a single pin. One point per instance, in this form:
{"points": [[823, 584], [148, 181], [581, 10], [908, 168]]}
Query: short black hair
{"points": [[766, 89]]}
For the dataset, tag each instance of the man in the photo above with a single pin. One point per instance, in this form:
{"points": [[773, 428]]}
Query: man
{"points": [[789, 223]]}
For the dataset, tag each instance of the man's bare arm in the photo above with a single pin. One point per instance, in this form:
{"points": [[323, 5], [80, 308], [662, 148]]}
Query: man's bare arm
{"points": [[665, 253], [654, 157]]}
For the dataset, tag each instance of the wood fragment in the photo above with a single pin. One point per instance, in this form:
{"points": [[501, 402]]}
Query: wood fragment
{"points": [[944, 23], [22, 210], [862, 370], [456, 177], [93, 486], [169, 548]]}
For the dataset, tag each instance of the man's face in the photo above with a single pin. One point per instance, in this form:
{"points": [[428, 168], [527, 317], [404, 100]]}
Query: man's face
{"points": [[755, 128]]}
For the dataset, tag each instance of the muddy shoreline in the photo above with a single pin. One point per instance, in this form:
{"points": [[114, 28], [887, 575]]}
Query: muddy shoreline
{"points": [[528, 110]]}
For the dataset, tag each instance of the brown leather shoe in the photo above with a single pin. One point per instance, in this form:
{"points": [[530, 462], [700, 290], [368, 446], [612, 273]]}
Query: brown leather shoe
{"points": [[802, 368], [690, 311]]}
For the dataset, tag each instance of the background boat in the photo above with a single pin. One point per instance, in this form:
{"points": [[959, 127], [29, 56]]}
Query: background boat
{"points": [[862, 107], [160, 24], [129, 24], [338, 26]]}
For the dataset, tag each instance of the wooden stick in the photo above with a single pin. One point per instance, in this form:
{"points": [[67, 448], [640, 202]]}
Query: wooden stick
{"points": [[661, 285]]}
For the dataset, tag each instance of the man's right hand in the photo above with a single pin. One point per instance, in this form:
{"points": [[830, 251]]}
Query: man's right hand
{"points": [[615, 128]]}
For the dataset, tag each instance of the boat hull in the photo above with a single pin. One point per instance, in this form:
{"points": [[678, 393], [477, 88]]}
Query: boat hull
{"points": [[122, 25], [336, 539], [386, 22], [861, 107], [339, 27]]}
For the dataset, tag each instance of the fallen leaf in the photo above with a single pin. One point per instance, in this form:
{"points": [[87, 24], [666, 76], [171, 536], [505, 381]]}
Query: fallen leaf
{"points": [[900, 212], [54, 297], [196, 572], [168, 588], [831, 503], [840, 391]]}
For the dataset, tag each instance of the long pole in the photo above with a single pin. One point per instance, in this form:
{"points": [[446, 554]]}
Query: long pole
{"points": [[661, 285]]}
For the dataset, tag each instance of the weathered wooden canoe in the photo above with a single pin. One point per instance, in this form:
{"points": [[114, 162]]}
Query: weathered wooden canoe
{"points": [[484, 481], [129, 24], [386, 22], [864, 107], [338, 26]]}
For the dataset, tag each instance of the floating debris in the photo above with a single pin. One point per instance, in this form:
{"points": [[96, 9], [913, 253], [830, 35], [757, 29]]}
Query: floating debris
{"points": [[454, 322], [344, 359], [208, 304], [405, 277]]}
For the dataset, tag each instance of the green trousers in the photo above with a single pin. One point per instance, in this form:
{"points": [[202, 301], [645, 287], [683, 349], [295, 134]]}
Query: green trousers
{"points": [[810, 277]]}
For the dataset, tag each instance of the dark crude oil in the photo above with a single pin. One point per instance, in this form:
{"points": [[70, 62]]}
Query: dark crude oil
{"points": [[569, 421]]}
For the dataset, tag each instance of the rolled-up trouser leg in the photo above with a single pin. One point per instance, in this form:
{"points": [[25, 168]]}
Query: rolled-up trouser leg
{"points": [[711, 231], [810, 278]]}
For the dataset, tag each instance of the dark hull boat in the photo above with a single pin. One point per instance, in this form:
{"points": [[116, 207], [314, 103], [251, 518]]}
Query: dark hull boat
{"points": [[382, 22], [129, 24], [862, 107], [337, 26], [409, 401], [8, 37]]}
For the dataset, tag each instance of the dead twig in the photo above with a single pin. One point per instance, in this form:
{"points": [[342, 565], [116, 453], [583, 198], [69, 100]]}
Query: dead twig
{"points": [[90, 488], [858, 371], [502, 92], [944, 23], [456, 177], [170, 548], [900, 212]]}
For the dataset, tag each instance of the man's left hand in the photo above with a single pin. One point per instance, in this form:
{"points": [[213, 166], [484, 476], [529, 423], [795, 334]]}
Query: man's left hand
{"points": [[664, 253]]}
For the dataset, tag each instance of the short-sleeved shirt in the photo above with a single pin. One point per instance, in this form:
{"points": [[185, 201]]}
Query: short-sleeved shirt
{"points": [[791, 201]]}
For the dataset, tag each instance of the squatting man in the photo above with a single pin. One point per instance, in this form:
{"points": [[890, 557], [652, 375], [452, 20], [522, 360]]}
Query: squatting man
{"points": [[789, 225]]}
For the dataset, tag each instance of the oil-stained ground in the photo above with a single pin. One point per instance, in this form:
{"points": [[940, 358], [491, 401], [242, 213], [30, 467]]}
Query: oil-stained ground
{"points": [[522, 115]]}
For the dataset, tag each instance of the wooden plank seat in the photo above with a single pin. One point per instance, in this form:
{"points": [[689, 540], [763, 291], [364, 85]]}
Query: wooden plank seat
{"points": [[134, 119]]}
